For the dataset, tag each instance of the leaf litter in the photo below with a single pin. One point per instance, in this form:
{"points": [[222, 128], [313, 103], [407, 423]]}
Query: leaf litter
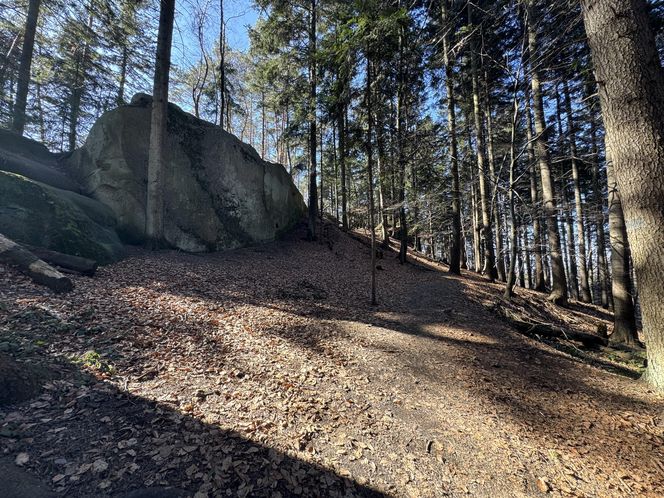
{"points": [[265, 372]]}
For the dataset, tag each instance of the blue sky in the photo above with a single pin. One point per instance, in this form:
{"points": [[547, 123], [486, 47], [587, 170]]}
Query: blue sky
{"points": [[239, 15]]}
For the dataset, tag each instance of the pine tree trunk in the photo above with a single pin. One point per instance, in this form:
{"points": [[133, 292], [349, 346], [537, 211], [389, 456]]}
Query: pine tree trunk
{"points": [[583, 260], [401, 157], [624, 320], [514, 240], [313, 198], [559, 282], [455, 249], [342, 166], [154, 215], [602, 267], [23, 84], [495, 205], [487, 230], [631, 91], [539, 280], [369, 152]]}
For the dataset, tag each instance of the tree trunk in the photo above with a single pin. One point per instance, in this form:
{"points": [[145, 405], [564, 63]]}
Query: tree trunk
{"points": [[401, 158], [76, 264], [539, 281], [23, 84], [631, 90], [78, 85], [514, 240], [29, 264], [455, 249], [154, 212], [558, 281], [313, 197], [369, 152], [583, 260], [342, 166], [624, 320], [487, 231]]}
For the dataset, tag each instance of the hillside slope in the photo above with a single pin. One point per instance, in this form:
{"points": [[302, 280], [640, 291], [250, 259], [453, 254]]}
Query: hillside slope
{"points": [[264, 372]]}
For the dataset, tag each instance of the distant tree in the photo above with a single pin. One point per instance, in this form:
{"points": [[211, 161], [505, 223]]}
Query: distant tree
{"points": [[18, 124]]}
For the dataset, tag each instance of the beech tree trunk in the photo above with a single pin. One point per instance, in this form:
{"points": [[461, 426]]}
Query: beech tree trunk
{"points": [[23, 83], [558, 280], [631, 90], [369, 152], [154, 215]]}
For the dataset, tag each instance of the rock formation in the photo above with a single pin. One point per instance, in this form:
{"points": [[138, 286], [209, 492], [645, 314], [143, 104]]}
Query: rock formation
{"points": [[218, 193]]}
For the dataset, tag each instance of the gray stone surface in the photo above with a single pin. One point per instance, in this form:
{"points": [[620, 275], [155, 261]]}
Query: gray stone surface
{"points": [[33, 160], [40, 215], [219, 194]]}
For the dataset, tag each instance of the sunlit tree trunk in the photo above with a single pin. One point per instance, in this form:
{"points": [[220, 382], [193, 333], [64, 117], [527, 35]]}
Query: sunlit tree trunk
{"points": [[154, 212], [631, 90]]}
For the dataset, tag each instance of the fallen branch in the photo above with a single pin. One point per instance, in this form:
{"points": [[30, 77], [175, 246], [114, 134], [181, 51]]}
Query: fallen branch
{"points": [[548, 330], [84, 266], [40, 272]]}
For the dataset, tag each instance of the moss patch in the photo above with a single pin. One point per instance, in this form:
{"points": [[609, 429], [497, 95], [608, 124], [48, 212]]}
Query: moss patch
{"points": [[33, 213]]}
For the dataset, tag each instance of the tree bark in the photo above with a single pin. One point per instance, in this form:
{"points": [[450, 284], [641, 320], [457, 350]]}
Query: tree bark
{"points": [[631, 90], [313, 194], [624, 320], [487, 230], [539, 280], [369, 152], [29, 264], [583, 260], [558, 280], [23, 83], [154, 215], [455, 249]]}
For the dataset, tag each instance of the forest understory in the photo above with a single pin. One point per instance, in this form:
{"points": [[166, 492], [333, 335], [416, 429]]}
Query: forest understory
{"points": [[265, 372]]}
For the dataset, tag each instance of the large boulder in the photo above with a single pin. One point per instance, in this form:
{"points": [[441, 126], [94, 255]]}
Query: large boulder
{"points": [[33, 160], [40, 215], [218, 192]]}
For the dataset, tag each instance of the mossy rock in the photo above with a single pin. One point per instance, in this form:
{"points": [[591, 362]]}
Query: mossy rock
{"points": [[36, 214]]}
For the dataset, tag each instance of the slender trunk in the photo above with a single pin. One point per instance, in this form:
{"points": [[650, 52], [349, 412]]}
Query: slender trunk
{"points": [[154, 215], [539, 280], [568, 242], [313, 200], [559, 283], [495, 205], [624, 320], [511, 276], [487, 231], [631, 91], [342, 165], [78, 85], [401, 158], [23, 84], [124, 63], [583, 260], [602, 266], [455, 249], [369, 152]]}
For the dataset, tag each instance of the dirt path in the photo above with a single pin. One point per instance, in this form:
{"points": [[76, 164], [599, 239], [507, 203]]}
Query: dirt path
{"points": [[264, 372]]}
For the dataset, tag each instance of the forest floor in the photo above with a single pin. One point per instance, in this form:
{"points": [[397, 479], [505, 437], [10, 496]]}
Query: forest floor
{"points": [[265, 371]]}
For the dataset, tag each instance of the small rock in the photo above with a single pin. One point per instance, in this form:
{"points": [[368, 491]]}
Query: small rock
{"points": [[542, 485], [22, 459]]}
